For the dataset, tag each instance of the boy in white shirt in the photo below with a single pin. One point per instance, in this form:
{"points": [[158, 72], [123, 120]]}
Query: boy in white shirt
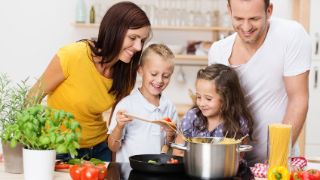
{"points": [[131, 137]]}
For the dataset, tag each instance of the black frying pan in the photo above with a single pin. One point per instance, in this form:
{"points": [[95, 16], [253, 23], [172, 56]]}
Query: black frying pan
{"points": [[140, 163]]}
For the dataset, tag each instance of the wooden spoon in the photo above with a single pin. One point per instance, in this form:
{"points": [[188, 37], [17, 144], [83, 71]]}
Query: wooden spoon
{"points": [[161, 122]]}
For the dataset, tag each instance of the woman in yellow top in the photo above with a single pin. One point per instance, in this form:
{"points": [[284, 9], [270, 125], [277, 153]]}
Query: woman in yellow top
{"points": [[88, 77]]}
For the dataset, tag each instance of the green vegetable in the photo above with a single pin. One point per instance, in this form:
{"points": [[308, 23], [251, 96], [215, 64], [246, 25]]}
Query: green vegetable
{"points": [[75, 161], [96, 161], [152, 162]]}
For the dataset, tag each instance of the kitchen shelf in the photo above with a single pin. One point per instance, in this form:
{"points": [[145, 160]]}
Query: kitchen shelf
{"points": [[192, 28], [181, 59], [85, 25], [191, 60], [177, 28]]}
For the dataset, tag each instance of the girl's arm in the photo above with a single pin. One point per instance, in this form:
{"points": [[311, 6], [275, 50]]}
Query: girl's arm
{"points": [[114, 139], [245, 141], [179, 140]]}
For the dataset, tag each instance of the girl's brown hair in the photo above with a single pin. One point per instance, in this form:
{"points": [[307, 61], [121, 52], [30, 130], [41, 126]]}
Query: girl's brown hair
{"points": [[233, 104], [113, 28]]}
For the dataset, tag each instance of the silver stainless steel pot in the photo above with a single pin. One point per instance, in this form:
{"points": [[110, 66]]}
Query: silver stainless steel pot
{"points": [[211, 160]]}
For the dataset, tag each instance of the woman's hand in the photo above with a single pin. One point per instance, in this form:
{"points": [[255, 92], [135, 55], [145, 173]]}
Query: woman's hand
{"points": [[122, 119]]}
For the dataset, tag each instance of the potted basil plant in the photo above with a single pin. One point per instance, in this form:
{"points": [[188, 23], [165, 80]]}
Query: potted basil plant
{"points": [[44, 131]]}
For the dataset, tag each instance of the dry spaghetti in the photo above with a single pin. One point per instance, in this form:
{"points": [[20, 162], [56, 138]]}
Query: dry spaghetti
{"points": [[279, 144]]}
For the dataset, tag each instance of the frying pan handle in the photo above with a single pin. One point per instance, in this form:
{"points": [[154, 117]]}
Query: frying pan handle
{"points": [[244, 148], [178, 146]]}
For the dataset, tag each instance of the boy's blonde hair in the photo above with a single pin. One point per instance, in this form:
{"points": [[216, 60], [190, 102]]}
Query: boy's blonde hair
{"points": [[160, 49]]}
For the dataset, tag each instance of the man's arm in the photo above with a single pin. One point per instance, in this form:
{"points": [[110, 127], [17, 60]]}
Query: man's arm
{"points": [[297, 108]]}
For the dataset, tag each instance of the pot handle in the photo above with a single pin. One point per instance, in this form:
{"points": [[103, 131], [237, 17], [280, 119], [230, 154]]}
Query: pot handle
{"points": [[244, 148], [178, 146]]}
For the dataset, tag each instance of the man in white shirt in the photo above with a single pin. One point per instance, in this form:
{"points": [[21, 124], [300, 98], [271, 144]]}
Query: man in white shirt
{"points": [[272, 58]]}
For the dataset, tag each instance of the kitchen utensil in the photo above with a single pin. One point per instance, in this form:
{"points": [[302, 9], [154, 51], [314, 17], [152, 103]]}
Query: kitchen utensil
{"points": [[181, 76], [317, 44], [211, 160], [159, 122], [140, 163]]}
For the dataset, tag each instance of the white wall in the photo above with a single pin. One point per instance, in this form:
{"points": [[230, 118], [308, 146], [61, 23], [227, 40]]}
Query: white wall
{"points": [[32, 31]]}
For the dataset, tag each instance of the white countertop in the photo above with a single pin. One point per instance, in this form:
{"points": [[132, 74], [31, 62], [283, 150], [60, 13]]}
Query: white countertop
{"points": [[9, 176]]}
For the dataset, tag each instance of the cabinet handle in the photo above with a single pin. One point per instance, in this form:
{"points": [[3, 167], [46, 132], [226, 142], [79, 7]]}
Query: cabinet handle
{"points": [[315, 78]]}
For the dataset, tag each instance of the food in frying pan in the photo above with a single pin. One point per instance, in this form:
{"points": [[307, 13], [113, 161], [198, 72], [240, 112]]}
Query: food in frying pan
{"points": [[169, 161], [172, 161], [152, 162]]}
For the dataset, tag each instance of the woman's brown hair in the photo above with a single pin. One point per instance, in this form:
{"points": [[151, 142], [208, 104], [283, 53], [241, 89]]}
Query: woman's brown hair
{"points": [[113, 28], [233, 104]]}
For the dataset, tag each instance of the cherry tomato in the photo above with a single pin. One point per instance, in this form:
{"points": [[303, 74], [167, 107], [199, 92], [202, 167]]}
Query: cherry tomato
{"points": [[172, 161], [167, 119], [75, 172]]}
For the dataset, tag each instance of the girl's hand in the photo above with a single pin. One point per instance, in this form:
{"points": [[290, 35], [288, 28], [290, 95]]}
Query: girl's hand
{"points": [[122, 119]]}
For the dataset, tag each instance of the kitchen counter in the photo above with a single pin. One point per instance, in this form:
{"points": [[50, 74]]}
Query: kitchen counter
{"points": [[115, 171], [9, 176], [123, 171]]}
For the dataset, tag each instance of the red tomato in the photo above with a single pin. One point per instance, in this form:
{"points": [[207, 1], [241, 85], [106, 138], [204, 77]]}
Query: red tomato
{"points": [[167, 119], [61, 165], [75, 172], [296, 175], [314, 174], [89, 173], [102, 171], [172, 161]]}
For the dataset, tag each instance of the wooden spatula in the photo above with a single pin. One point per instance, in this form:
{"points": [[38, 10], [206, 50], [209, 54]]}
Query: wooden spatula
{"points": [[161, 122]]}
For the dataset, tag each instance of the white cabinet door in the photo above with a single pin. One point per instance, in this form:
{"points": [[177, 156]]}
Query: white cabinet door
{"points": [[313, 118]]}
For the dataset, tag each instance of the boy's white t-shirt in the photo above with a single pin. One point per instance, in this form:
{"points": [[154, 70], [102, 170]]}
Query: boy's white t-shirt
{"points": [[286, 51], [142, 137]]}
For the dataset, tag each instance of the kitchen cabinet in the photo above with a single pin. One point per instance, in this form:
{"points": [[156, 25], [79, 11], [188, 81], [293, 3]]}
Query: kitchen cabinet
{"points": [[312, 144], [313, 119]]}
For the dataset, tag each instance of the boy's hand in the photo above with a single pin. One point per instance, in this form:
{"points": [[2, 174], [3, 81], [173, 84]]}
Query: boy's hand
{"points": [[122, 119], [170, 133]]}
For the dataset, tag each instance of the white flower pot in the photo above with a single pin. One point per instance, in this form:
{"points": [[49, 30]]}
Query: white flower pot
{"points": [[38, 164]]}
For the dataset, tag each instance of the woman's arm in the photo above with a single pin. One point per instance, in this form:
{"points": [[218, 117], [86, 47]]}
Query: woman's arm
{"points": [[49, 81]]}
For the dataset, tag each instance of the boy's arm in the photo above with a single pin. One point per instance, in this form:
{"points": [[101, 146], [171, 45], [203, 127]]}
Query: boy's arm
{"points": [[117, 125]]}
